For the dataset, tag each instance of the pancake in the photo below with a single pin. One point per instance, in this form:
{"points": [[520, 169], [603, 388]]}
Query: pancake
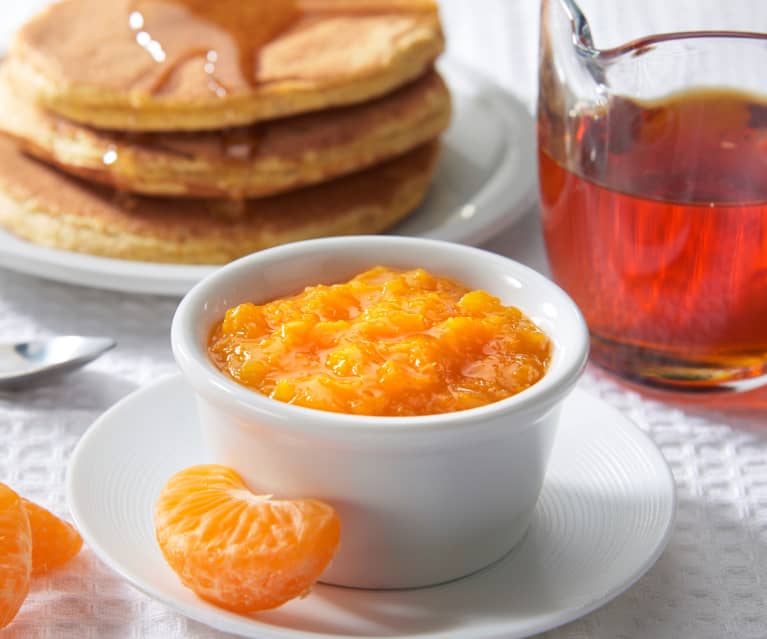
{"points": [[148, 65], [259, 160], [44, 206]]}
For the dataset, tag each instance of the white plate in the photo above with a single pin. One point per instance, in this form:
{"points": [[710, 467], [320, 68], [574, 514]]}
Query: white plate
{"points": [[485, 181], [603, 519]]}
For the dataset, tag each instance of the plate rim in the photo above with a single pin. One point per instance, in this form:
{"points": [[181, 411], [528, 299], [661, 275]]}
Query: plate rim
{"points": [[174, 280], [240, 625]]}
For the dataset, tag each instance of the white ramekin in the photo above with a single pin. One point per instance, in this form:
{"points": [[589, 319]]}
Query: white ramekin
{"points": [[422, 500]]}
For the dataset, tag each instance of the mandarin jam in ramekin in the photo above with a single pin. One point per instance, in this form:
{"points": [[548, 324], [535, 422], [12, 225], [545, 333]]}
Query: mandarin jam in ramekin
{"points": [[386, 343]]}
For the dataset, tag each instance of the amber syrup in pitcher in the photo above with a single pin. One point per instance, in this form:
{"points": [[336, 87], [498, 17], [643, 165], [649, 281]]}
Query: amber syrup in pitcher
{"points": [[657, 226]]}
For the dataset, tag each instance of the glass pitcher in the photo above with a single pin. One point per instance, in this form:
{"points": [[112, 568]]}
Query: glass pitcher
{"points": [[653, 184]]}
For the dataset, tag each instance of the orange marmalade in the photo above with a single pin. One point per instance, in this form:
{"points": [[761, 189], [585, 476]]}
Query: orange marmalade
{"points": [[387, 342]]}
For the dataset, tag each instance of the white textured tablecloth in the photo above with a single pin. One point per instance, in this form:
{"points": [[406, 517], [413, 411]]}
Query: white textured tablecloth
{"points": [[711, 583]]}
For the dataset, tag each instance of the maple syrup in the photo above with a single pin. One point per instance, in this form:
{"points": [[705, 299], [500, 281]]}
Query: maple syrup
{"points": [[224, 35], [657, 226]]}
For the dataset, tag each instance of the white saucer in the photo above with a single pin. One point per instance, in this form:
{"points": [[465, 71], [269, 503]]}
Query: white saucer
{"points": [[486, 180], [603, 519]]}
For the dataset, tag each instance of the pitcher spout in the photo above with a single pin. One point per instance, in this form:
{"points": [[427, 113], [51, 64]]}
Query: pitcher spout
{"points": [[580, 28], [571, 74]]}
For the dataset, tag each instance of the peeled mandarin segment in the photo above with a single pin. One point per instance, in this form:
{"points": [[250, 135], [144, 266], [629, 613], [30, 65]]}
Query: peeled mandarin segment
{"points": [[54, 541], [238, 550], [15, 554]]}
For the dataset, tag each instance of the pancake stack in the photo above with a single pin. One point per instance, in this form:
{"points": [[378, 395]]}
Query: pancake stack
{"points": [[193, 131]]}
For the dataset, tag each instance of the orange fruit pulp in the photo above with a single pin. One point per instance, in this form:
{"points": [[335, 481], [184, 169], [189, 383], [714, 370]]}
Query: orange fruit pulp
{"points": [[15, 554], [54, 541], [32, 542], [238, 550], [386, 342]]}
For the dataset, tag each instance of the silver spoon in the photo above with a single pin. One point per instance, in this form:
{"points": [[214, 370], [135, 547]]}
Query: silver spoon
{"points": [[25, 363]]}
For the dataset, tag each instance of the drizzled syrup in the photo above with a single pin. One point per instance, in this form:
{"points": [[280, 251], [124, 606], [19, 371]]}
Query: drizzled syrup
{"points": [[224, 35]]}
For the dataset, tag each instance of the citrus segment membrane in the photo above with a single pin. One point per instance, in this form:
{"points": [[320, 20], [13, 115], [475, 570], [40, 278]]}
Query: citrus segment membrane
{"points": [[238, 550]]}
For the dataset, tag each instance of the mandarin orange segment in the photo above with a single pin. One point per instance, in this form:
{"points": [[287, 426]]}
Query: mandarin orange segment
{"points": [[238, 550], [54, 541], [15, 554]]}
